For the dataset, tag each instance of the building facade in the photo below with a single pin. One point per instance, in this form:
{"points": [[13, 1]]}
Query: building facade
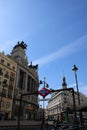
{"points": [[7, 84], [61, 106], [26, 80]]}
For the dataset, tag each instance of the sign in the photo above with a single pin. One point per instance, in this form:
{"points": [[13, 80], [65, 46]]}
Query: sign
{"points": [[44, 92]]}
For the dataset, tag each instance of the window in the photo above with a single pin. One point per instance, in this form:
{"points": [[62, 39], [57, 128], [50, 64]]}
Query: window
{"points": [[10, 93], [7, 104], [1, 73], [22, 77], [12, 76], [8, 64], [5, 83], [2, 61], [13, 67], [7, 74], [64, 94], [4, 93], [29, 84]]}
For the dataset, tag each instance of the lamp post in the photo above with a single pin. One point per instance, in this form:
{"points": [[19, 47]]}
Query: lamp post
{"points": [[75, 69], [43, 92]]}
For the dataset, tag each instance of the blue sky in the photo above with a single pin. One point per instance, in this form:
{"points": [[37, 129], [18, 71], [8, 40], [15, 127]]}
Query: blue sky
{"points": [[56, 34]]}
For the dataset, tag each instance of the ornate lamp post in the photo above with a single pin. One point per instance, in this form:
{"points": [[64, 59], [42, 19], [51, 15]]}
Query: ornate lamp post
{"points": [[75, 69]]}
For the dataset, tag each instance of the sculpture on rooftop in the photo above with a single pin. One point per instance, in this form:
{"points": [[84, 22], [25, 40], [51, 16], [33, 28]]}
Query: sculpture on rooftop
{"points": [[21, 44]]}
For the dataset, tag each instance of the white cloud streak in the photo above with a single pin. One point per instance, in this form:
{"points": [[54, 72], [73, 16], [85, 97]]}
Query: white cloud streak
{"points": [[71, 48], [7, 45], [82, 87]]}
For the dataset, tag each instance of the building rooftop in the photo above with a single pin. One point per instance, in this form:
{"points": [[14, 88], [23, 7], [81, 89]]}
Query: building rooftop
{"points": [[21, 44]]}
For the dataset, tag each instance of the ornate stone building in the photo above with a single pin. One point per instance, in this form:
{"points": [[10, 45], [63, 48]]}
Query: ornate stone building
{"points": [[7, 84], [61, 104], [20, 77], [26, 81]]}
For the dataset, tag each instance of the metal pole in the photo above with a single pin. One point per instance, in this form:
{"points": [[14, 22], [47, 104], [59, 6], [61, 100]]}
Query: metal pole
{"points": [[43, 110], [75, 69], [44, 81], [43, 101], [74, 104], [77, 88]]}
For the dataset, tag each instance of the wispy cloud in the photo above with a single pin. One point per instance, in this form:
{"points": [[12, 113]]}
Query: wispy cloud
{"points": [[71, 48], [6, 45], [82, 87], [72, 85]]}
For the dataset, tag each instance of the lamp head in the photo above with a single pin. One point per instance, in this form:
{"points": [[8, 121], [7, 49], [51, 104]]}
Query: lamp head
{"points": [[74, 68]]}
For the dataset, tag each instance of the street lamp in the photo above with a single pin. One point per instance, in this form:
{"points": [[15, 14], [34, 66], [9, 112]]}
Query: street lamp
{"points": [[75, 69], [44, 82], [43, 93]]}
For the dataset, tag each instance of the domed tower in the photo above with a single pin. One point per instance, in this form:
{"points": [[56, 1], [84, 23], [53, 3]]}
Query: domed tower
{"points": [[18, 53]]}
